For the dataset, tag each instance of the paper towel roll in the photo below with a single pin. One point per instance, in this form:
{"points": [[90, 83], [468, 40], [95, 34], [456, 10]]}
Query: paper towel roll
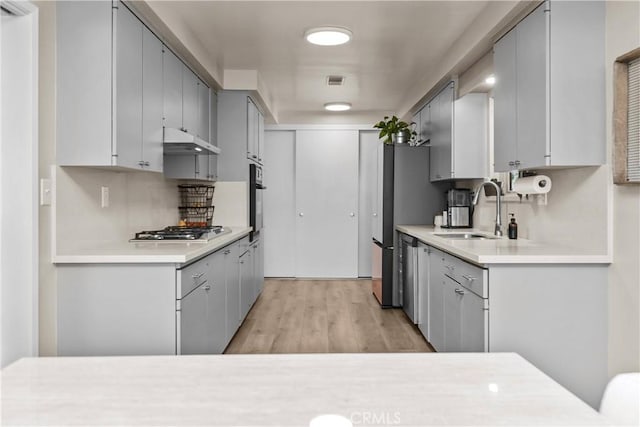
{"points": [[539, 184]]}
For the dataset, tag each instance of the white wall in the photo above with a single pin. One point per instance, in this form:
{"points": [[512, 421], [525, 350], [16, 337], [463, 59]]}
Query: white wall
{"points": [[18, 187], [623, 35], [576, 212], [137, 201]]}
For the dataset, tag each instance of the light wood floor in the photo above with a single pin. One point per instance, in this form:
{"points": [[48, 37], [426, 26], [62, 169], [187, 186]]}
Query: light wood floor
{"points": [[324, 316]]}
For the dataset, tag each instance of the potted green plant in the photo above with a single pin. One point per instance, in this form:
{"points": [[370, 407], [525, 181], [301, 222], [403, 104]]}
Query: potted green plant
{"points": [[395, 130]]}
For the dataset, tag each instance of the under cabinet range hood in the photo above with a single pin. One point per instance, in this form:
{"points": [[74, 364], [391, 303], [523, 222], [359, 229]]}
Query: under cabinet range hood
{"points": [[177, 141]]}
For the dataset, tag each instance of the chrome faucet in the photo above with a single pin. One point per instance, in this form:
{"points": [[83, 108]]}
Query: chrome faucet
{"points": [[476, 196]]}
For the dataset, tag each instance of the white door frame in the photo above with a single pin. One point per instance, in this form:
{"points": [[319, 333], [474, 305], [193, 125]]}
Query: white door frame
{"points": [[18, 181]]}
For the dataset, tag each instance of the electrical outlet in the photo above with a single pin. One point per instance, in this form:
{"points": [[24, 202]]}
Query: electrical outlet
{"points": [[105, 197], [45, 192]]}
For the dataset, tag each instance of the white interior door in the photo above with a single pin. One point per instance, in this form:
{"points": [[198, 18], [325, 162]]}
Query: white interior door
{"points": [[279, 224], [368, 168], [326, 203]]}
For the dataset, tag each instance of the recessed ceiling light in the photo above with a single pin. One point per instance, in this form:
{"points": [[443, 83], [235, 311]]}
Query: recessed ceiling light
{"points": [[328, 36], [337, 106], [490, 80]]}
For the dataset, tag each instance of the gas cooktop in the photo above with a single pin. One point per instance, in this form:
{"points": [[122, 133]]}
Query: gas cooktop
{"points": [[189, 234]]}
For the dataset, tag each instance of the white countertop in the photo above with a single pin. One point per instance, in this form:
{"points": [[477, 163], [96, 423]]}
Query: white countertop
{"points": [[417, 389], [151, 252], [503, 250]]}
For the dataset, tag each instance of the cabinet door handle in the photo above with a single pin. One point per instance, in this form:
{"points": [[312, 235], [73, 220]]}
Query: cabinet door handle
{"points": [[255, 247], [517, 162], [469, 278], [206, 287], [254, 156], [227, 252], [197, 276], [140, 163], [147, 163], [512, 163], [241, 262], [459, 291]]}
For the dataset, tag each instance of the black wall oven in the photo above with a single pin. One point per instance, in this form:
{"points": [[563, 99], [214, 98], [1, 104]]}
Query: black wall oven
{"points": [[255, 200]]}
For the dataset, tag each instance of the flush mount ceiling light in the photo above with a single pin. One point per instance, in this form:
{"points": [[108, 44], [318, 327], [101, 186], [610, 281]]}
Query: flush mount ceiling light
{"points": [[490, 80], [337, 106], [328, 36]]}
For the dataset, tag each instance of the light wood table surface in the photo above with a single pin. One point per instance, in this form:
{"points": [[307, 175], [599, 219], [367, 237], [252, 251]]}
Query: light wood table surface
{"points": [[253, 390]]}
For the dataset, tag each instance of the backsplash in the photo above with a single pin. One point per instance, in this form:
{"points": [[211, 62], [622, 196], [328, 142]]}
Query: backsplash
{"points": [[137, 201], [576, 211]]}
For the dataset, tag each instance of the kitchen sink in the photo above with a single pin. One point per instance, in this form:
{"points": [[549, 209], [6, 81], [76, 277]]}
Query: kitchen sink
{"points": [[465, 236]]}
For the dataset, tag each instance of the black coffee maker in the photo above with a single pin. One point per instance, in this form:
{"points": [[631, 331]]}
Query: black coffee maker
{"points": [[459, 212]]}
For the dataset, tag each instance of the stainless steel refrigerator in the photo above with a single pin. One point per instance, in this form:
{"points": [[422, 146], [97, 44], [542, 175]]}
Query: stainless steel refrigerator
{"points": [[404, 196]]}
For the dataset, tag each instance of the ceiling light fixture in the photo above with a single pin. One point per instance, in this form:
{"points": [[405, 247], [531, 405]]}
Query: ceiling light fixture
{"points": [[328, 36], [490, 80], [337, 106]]}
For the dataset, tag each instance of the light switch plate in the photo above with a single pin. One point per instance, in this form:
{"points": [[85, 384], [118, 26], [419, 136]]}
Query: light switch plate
{"points": [[105, 197], [45, 192]]}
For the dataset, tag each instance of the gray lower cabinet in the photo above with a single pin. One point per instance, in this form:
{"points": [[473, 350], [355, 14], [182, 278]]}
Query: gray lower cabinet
{"points": [[232, 280], [247, 288], [436, 288], [193, 331], [201, 314], [151, 309], [423, 289], [258, 266], [554, 315]]}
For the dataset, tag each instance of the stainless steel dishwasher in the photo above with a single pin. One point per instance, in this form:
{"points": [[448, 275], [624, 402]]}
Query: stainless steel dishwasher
{"points": [[408, 275]]}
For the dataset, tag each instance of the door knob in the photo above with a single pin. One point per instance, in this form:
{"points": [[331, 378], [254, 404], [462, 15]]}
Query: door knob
{"points": [[300, 214], [352, 214], [375, 214]]}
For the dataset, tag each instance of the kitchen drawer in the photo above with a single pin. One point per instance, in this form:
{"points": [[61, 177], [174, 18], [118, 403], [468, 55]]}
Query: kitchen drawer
{"points": [[191, 276], [468, 275]]}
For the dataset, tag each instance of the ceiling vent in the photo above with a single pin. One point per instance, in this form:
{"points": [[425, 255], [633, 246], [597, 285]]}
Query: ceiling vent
{"points": [[335, 80]]}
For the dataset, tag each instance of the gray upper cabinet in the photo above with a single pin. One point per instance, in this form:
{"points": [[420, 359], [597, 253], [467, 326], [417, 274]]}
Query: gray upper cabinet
{"points": [[260, 136], [213, 118], [203, 111], [188, 166], [152, 101], [549, 92], [470, 143], [504, 107], [442, 129], [239, 134], [186, 98], [457, 131], [252, 130], [100, 102], [172, 71], [190, 116], [128, 82], [213, 130]]}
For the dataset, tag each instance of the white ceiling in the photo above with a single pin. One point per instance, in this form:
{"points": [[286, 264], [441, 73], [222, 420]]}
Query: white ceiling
{"points": [[395, 45]]}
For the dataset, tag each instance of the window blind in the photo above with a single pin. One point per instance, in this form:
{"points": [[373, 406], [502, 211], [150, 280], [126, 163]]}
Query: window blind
{"points": [[633, 122]]}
